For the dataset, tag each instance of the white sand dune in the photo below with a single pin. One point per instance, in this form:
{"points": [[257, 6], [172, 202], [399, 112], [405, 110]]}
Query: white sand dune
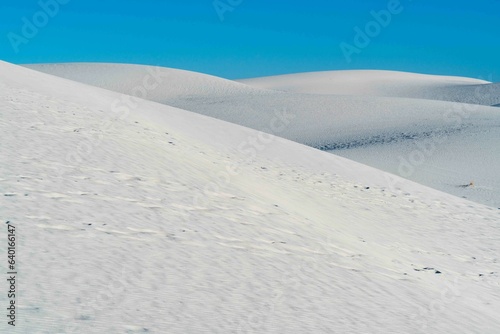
{"points": [[384, 83], [124, 78], [131, 221], [185, 84], [442, 144]]}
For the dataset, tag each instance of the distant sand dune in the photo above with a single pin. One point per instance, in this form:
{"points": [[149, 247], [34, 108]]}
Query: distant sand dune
{"points": [[408, 124]]}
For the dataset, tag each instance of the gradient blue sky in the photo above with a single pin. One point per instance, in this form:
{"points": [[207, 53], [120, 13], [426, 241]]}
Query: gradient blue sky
{"points": [[260, 37]]}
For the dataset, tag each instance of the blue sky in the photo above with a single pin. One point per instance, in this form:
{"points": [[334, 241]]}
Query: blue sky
{"points": [[257, 37]]}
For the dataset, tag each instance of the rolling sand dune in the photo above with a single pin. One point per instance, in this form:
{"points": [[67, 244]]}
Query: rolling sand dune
{"points": [[442, 144], [194, 225], [384, 83]]}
